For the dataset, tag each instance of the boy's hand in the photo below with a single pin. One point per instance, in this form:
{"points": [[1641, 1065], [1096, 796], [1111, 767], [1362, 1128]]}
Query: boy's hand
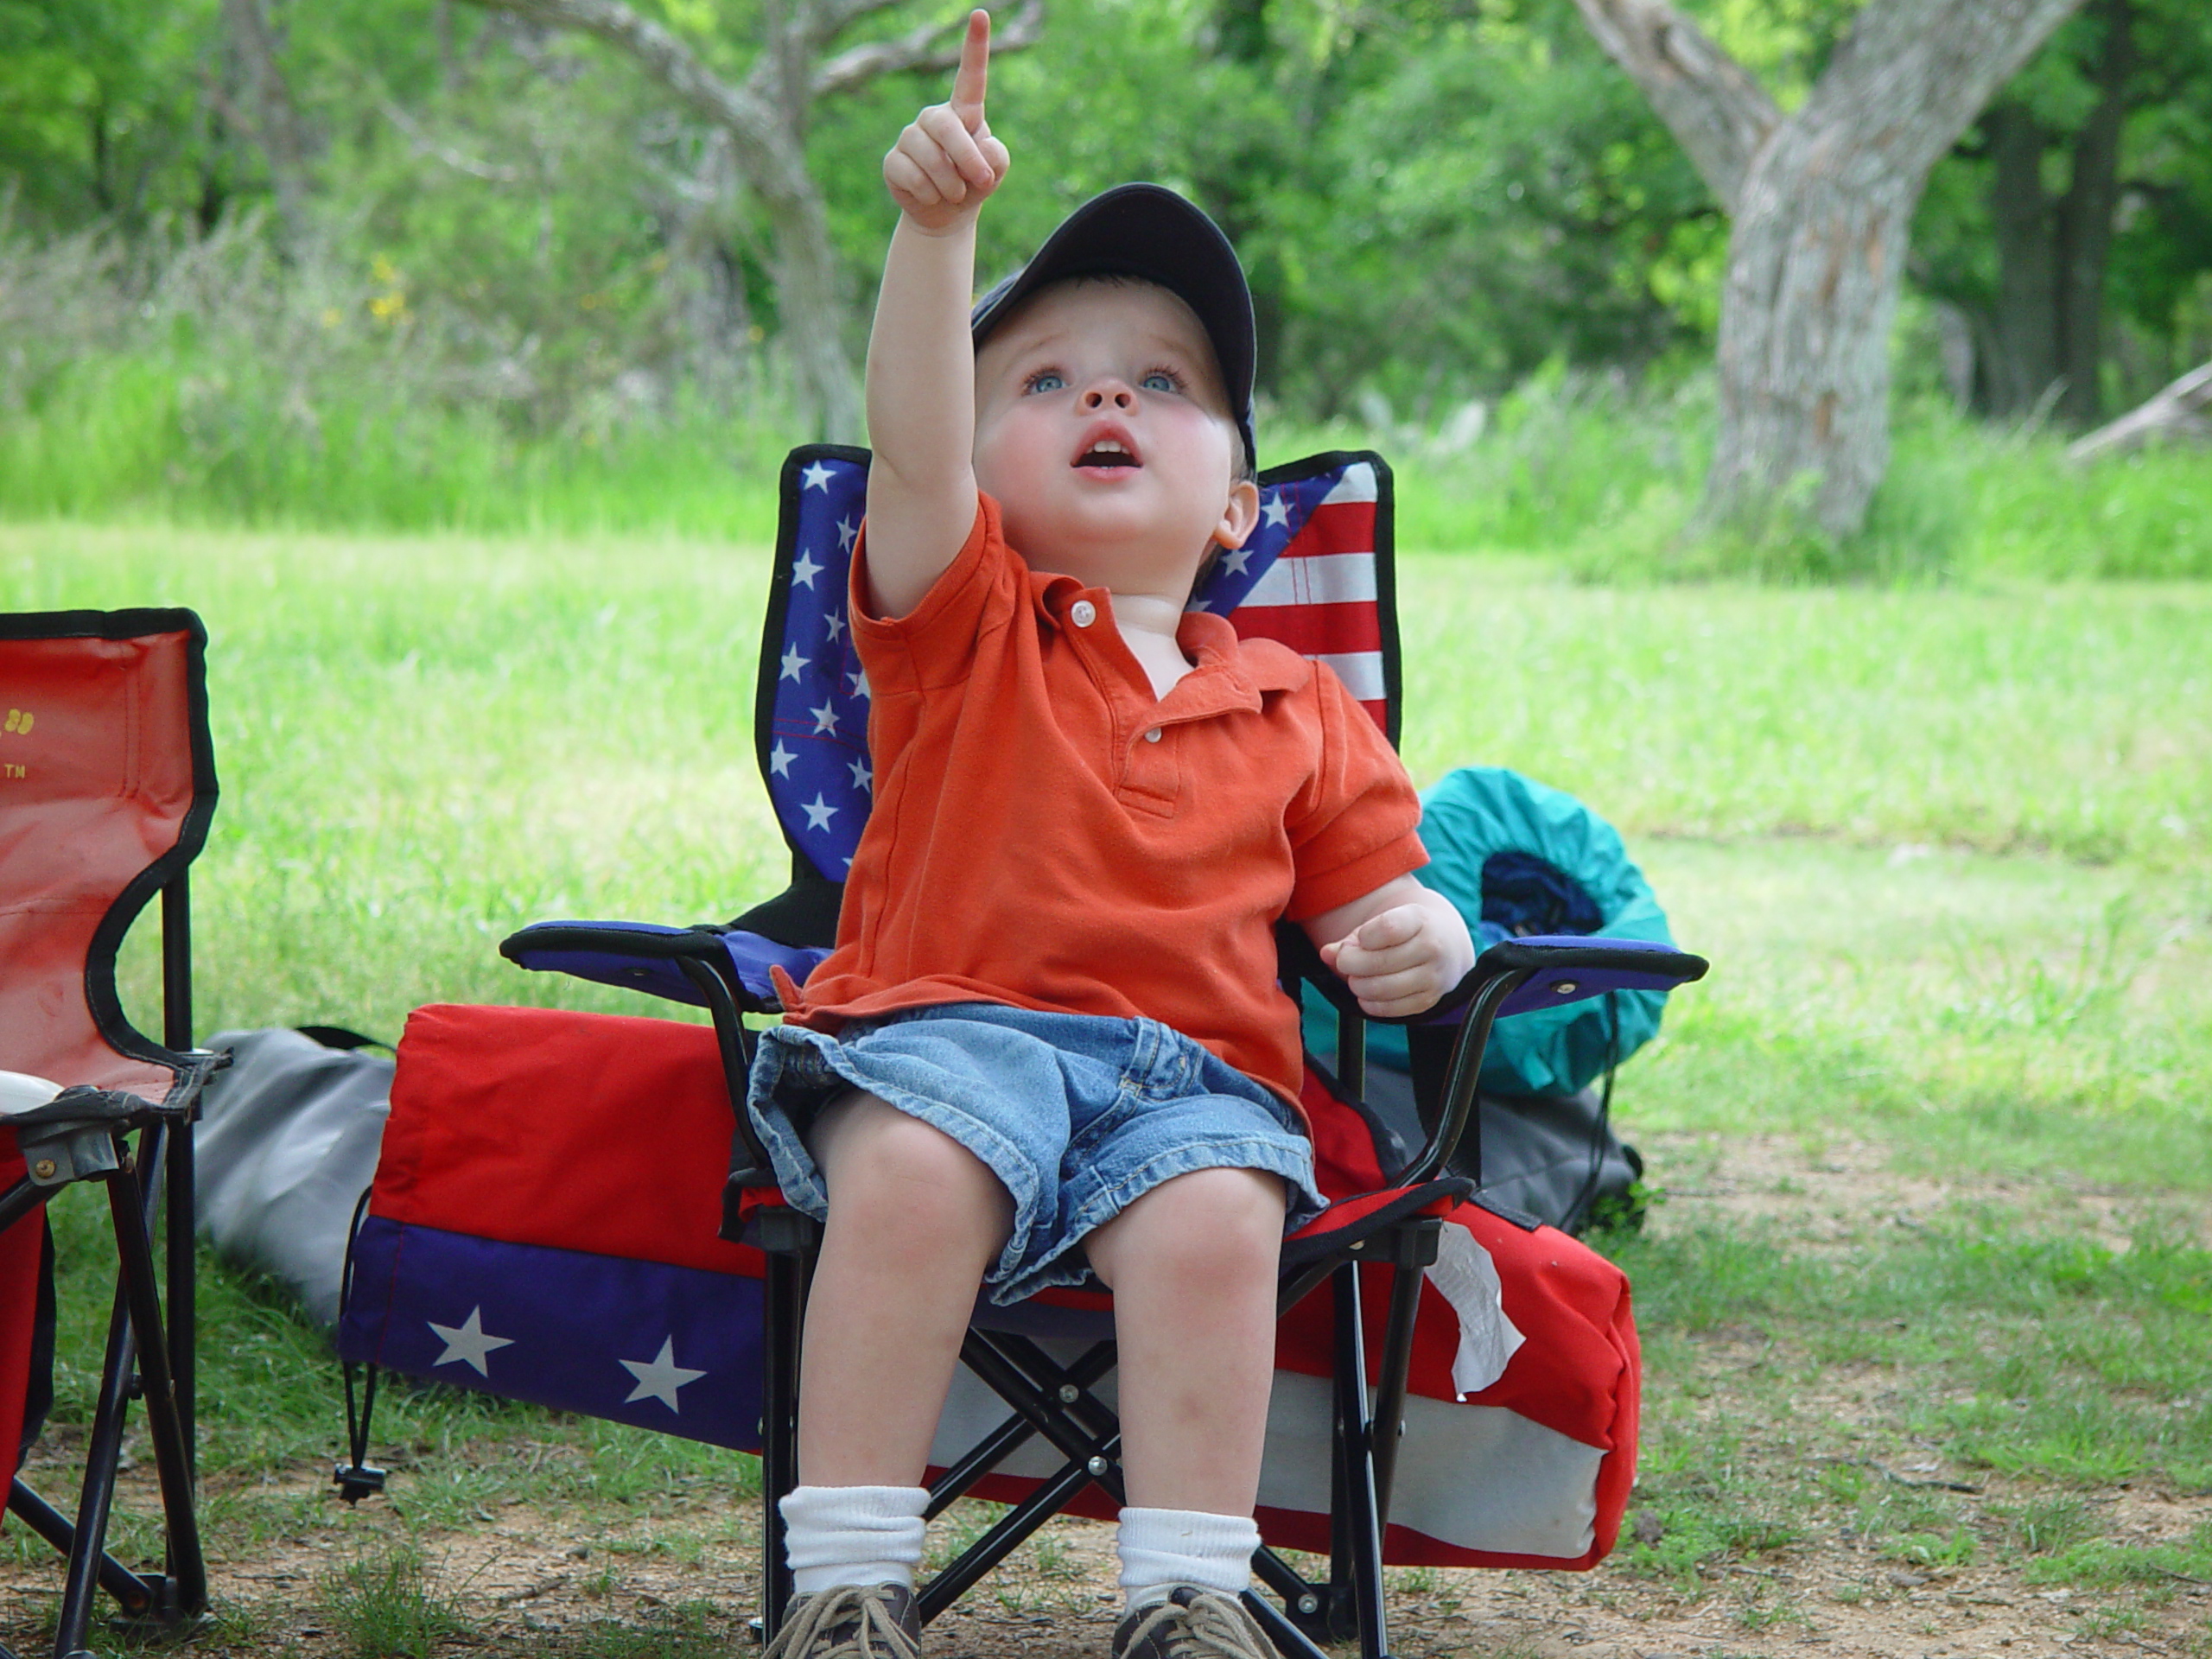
{"points": [[1400, 961], [946, 162]]}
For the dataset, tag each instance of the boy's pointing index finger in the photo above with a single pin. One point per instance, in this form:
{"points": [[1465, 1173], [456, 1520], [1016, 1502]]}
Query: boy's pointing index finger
{"points": [[969, 80]]}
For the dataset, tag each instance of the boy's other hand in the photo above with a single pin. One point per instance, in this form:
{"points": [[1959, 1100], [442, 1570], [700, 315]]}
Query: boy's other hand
{"points": [[1401, 960], [946, 162]]}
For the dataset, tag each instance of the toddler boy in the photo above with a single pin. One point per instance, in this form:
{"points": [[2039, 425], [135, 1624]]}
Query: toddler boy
{"points": [[1049, 1041]]}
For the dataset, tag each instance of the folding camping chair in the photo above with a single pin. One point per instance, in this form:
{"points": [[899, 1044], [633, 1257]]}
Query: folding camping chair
{"points": [[107, 783], [448, 1270]]}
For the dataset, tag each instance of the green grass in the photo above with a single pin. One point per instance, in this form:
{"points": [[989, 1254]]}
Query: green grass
{"points": [[1949, 848], [384, 1607], [2074, 720]]}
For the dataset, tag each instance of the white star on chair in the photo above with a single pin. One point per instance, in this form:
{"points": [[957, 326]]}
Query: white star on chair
{"points": [[1233, 561], [792, 662], [779, 760], [858, 677], [825, 719], [467, 1342], [816, 477], [846, 530], [818, 812], [806, 569], [862, 777], [660, 1377], [1277, 511], [837, 621]]}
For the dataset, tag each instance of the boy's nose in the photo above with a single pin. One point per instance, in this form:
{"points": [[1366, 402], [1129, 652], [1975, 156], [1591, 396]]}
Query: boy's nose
{"points": [[1115, 392]]}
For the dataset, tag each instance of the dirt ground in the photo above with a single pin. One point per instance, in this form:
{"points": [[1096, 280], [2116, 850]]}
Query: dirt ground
{"points": [[529, 1583]]}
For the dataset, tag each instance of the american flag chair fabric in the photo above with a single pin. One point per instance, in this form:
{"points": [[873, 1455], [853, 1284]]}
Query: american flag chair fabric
{"points": [[107, 785], [553, 1219], [1312, 577]]}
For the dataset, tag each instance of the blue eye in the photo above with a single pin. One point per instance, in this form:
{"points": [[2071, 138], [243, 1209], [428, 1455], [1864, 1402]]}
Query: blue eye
{"points": [[1159, 380], [1045, 380]]}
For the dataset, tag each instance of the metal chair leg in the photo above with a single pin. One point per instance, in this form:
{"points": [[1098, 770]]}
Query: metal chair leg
{"points": [[1358, 1442], [785, 1309]]}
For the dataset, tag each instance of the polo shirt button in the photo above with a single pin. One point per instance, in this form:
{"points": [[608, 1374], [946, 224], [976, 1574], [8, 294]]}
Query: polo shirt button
{"points": [[1082, 613], [1153, 736]]}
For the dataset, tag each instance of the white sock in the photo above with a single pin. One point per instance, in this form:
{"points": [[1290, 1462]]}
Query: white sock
{"points": [[1161, 1549], [835, 1536]]}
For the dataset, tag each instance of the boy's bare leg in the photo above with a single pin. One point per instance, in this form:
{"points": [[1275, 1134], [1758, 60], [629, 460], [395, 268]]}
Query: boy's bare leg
{"points": [[915, 1219], [1193, 1266]]}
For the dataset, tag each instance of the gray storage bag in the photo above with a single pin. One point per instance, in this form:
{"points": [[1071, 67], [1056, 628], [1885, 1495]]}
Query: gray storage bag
{"points": [[287, 1145]]}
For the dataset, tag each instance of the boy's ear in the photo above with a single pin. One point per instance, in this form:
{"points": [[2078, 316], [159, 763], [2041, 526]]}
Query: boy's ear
{"points": [[1239, 515]]}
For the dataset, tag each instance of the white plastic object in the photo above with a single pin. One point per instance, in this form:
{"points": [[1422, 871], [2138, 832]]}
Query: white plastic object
{"points": [[21, 1092]]}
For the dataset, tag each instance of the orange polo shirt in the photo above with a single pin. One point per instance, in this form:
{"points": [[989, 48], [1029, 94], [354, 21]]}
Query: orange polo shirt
{"points": [[1048, 835]]}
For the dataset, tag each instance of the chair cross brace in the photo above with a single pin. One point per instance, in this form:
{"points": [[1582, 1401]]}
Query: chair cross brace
{"points": [[1055, 1401]]}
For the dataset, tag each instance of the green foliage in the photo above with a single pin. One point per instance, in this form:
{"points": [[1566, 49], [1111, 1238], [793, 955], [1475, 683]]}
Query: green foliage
{"points": [[534, 200], [2161, 236], [101, 114], [527, 291]]}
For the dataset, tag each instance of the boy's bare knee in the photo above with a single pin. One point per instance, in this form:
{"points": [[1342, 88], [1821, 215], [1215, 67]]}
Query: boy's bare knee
{"points": [[1198, 1227], [900, 1174]]}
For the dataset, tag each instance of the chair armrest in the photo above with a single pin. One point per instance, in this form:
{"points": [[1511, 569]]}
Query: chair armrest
{"points": [[1572, 968], [651, 957], [1518, 976], [1512, 977]]}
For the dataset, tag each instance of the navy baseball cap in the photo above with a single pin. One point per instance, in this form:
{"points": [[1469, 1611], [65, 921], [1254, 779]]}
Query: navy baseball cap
{"points": [[1147, 231]]}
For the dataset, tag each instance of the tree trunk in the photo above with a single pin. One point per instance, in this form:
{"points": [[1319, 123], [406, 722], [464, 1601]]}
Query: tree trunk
{"points": [[96, 123], [1822, 201], [1817, 253], [811, 287], [2023, 356], [2085, 221], [268, 105], [811, 311], [1804, 351]]}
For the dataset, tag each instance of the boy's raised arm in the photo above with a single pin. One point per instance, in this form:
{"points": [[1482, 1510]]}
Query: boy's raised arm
{"points": [[921, 367]]}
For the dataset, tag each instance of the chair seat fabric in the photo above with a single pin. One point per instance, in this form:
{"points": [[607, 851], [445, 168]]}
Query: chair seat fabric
{"points": [[543, 1226]]}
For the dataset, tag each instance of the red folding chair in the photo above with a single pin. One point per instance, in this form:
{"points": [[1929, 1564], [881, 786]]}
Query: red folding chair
{"points": [[107, 783]]}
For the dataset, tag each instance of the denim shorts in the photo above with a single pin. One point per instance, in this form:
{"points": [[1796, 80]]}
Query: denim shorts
{"points": [[1078, 1115]]}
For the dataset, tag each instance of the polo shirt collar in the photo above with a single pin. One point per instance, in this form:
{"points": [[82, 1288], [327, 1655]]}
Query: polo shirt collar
{"points": [[1224, 678]]}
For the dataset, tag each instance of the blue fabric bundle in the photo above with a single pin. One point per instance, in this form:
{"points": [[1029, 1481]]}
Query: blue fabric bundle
{"points": [[1519, 857]]}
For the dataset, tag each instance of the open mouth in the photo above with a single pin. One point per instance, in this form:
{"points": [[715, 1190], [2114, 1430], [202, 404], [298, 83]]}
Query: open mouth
{"points": [[1108, 453]]}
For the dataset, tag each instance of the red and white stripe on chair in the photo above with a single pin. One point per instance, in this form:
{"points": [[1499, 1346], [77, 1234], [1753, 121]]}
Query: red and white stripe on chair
{"points": [[1320, 596]]}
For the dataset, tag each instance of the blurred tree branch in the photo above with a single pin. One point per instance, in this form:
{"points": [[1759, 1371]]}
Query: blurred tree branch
{"points": [[1721, 116], [929, 46], [2182, 411], [767, 117], [269, 117]]}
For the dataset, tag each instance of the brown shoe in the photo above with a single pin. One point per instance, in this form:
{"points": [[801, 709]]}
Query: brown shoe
{"points": [[854, 1621], [1193, 1623]]}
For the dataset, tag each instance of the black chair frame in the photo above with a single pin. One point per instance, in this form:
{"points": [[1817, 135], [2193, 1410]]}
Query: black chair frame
{"points": [[1053, 1400], [85, 1136]]}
